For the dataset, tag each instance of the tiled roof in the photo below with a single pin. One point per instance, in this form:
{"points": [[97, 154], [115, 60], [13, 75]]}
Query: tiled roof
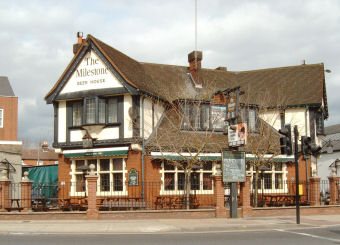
{"points": [[15, 149], [33, 154], [287, 86], [333, 129], [5, 87]]}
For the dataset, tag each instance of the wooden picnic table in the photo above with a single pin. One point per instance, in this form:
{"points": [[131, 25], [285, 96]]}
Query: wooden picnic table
{"points": [[175, 201], [280, 199], [122, 203], [14, 201]]}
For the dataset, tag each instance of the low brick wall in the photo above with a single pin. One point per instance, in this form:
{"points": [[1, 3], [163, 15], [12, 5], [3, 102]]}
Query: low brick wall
{"points": [[290, 211], [153, 214]]}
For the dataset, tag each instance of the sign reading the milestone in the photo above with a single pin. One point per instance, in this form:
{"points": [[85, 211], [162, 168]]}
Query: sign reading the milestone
{"points": [[91, 73], [234, 166]]}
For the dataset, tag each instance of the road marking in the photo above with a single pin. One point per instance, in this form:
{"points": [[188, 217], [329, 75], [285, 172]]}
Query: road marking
{"points": [[309, 235]]}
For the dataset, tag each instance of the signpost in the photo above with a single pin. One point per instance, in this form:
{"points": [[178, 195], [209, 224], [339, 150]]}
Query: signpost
{"points": [[234, 166]]}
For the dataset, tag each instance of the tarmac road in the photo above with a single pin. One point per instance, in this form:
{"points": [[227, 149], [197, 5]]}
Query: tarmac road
{"points": [[311, 236], [317, 229]]}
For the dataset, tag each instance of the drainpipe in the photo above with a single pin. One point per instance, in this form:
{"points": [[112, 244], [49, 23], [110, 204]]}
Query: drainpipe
{"points": [[307, 157], [143, 147]]}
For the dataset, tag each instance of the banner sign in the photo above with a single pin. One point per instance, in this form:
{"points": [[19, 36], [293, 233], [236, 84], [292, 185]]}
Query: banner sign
{"points": [[234, 166], [237, 134]]}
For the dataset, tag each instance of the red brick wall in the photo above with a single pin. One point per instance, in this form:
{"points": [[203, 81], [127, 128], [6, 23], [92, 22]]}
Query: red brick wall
{"points": [[10, 127]]}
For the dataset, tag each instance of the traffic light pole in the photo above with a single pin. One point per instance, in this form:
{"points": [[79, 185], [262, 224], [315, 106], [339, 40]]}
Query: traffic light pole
{"points": [[296, 155]]}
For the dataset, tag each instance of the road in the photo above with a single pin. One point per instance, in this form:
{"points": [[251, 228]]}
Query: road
{"points": [[310, 236]]}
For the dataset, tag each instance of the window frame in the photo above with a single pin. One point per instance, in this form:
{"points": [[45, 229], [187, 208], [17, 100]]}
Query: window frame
{"points": [[273, 172], [176, 171], [99, 172], [101, 114], [2, 118], [319, 123]]}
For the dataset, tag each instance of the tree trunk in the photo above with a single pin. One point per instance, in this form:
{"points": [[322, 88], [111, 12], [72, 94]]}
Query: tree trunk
{"points": [[187, 188], [256, 188]]}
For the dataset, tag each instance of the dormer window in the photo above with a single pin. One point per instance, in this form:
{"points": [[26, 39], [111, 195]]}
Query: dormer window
{"points": [[249, 115]]}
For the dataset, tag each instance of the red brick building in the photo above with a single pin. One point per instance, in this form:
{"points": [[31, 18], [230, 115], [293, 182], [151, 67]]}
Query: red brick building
{"points": [[10, 147], [38, 157], [109, 109]]}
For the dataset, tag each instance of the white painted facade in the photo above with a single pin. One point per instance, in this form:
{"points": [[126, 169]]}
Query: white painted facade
{"points": [[62, 121], [91, 73], [128, 124], [152, 113]]}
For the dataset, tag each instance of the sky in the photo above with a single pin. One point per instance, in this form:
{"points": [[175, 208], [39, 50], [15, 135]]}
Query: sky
{"points": [[37, 36]]}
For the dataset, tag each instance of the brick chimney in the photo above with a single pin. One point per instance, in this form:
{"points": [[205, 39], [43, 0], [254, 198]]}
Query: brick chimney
{"points": [[77, 45], [195, 58]]}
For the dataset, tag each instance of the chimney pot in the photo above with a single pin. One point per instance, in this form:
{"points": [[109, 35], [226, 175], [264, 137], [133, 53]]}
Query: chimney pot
{"points": [[221, 68]]}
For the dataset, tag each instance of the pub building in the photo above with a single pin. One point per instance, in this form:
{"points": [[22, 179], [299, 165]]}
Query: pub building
{"points": [[109, 110]]}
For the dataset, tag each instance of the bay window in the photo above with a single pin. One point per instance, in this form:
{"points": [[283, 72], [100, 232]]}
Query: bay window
{"points": [[95, 110]]}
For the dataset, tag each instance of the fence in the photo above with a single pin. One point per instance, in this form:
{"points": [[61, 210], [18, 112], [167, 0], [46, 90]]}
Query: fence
{"points": [[110, 196], [283, 193], [68, 196]]}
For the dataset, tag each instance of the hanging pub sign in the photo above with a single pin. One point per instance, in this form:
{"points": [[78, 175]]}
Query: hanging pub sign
{"points": [[231, 105], [234, 166], [237, 134], [133, 177]]}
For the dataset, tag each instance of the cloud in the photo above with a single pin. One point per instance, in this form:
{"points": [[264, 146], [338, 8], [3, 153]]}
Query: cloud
{"points": [[37, 36]]}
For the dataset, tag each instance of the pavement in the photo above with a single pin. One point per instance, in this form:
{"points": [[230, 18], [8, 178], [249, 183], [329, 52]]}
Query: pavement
{"points": [[158, 226]]}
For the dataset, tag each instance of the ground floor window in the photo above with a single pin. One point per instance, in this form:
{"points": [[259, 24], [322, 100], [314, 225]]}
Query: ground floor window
{"points": [[272, 179], [110, 171], [173, 179]]}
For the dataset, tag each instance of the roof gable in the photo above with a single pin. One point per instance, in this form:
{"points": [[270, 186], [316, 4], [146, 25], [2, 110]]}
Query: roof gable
{"points": [[91, 71]]}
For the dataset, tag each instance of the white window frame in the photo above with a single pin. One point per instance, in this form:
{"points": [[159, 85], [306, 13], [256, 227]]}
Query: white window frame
{"points": [[1, 118], [73, 173], [181, 192], [284, 173]]}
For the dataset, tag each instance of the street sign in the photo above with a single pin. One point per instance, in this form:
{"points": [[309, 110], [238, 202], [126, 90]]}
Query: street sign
{"points": [[234, 166]]}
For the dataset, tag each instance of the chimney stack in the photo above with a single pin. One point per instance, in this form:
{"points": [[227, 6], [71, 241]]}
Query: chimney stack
{"points": [[77, 45], [195, 58]]}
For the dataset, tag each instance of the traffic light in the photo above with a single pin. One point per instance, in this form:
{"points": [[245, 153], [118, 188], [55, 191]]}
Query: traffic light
{"points": [[307, 148], [286, 140]]}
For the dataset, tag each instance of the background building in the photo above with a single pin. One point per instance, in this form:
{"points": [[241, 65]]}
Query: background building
{"points": [[10, 147]]}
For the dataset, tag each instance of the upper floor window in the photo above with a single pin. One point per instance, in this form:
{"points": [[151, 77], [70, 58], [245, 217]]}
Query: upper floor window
{"points": [[195, 116], [319, 122], [1, 118], [77, 113], [249, 115], [95, 110]]}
